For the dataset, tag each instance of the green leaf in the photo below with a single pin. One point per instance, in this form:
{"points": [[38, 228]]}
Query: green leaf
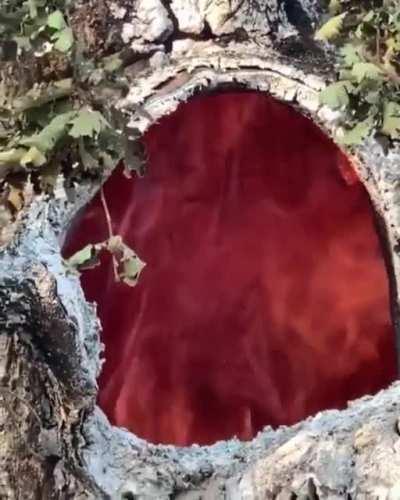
{"points": [[373, 97], [363, 70], [131, 269], [34, 156], [47, 138], [357, 134], [87, 257], [87, 123], [369, 16], [350, 54], [336, 95], [64, 39], [56, 20], [391, 120], [334, 6], [331, 29], [12, 156]]}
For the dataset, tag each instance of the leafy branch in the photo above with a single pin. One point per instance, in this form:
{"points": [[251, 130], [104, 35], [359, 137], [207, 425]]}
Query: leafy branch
{"points": [[52, 120], [127, 265], [41, 118], [367, 90]]}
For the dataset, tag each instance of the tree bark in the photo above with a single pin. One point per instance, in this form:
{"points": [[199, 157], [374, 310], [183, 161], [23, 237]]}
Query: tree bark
{"points": [[54, 441]]}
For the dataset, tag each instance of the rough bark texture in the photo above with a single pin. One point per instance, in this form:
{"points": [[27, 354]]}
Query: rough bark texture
{"points": [[54, 441]]}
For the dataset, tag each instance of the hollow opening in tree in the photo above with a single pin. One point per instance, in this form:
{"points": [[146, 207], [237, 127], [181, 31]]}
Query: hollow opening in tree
{"points": [[265, 297]]}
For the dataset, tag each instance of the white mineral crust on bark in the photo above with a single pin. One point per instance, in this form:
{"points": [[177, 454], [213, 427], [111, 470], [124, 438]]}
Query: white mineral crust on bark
{"points": [[151, 22], [187, 12]]}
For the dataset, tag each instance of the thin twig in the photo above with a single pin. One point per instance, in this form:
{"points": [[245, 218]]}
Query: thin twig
{"points": [[378, 45], [110, 231]]}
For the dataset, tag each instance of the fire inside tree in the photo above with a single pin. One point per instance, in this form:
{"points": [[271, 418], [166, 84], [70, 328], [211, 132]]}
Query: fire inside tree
{"points": [[265, 296]]}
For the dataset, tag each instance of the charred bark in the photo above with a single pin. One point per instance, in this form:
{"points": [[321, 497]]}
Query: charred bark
{"points": [[55, 442]]}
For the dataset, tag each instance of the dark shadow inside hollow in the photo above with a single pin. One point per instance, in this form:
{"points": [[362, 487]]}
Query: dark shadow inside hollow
{"points": [[265, 297]]}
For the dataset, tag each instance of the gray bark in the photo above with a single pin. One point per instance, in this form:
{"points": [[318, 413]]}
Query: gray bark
{"points": [[54, 441]]}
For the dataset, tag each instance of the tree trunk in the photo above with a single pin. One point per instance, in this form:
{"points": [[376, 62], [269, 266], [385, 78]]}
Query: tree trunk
{"points": [[55, 442]]}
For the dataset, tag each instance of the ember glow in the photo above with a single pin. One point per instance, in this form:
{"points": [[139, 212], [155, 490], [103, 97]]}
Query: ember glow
{"points": [[265, 296]]}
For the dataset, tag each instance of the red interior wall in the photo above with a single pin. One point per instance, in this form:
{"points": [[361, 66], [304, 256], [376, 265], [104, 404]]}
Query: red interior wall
{"points": [[265, 296]]}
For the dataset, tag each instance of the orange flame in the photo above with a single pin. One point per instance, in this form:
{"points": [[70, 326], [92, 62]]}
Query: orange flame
{"points": [[265, 295]]}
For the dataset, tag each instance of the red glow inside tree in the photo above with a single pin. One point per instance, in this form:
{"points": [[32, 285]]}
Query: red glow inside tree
{"points": [[265, 296]]}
